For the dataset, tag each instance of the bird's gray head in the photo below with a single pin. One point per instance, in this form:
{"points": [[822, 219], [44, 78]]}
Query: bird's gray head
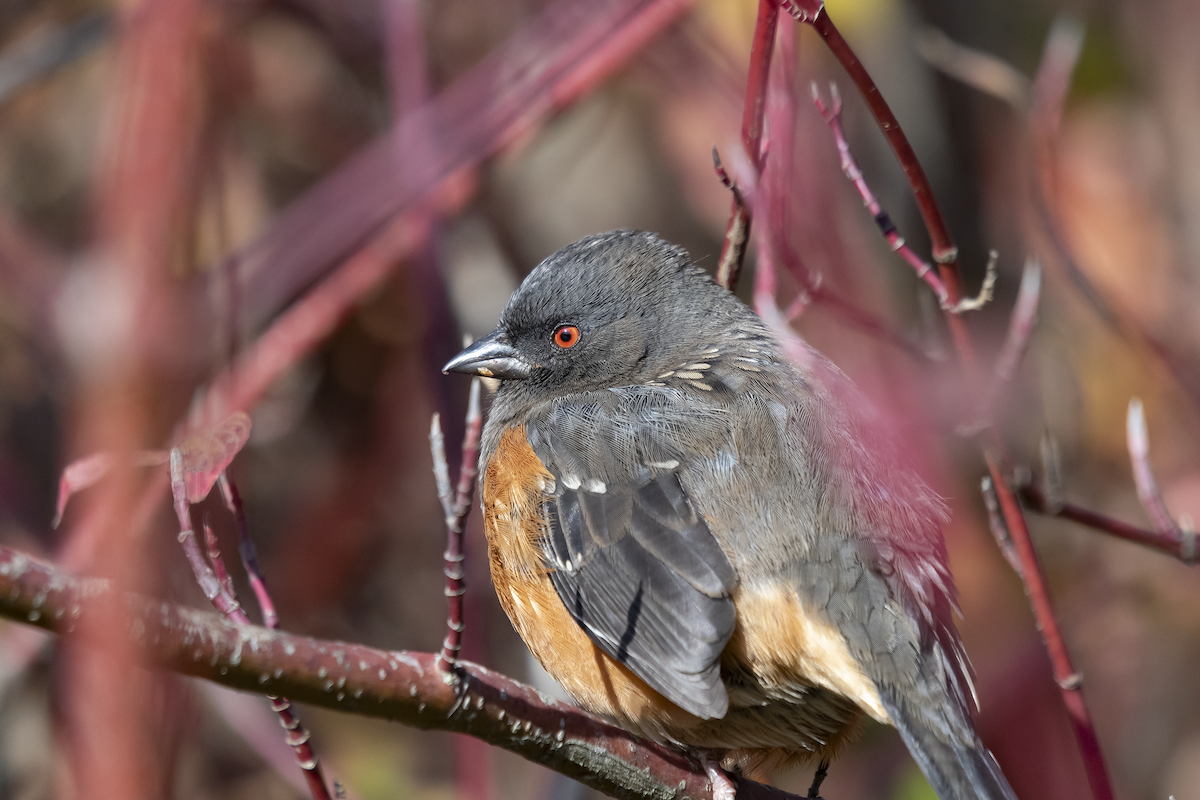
{"points": [[613, 309]]}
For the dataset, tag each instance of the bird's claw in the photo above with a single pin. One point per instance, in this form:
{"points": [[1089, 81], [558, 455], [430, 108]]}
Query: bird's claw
{"points": [[722, 786]]}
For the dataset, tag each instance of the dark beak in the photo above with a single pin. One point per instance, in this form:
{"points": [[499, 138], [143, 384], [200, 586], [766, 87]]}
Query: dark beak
{"points": [[492, 357]]}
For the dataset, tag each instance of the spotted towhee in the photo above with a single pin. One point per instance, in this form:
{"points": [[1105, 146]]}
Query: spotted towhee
{"points": [[703, 541]]}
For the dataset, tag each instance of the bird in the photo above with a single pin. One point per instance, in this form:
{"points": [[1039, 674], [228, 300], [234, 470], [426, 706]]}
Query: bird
{"points": [[712, 545]]}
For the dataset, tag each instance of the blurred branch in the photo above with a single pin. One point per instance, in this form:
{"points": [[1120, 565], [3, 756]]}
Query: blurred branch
{"points": [[307, 323], [1041, 103], [981, 71], [568, 50], [31, 273], [41, 53], [403, 686], [1138, 440]]}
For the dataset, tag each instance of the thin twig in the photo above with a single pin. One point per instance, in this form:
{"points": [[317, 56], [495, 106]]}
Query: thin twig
{"points": [[224, 601], [737, 233], [1021, 321], [457, 505], [996, 525], [726, 181], [247, 551], [1138, 441], [1035, 499], [833, 117], [218, 563], [209, 583]]}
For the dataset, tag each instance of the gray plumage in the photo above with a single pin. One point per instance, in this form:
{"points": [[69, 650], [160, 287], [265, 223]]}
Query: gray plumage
{"points": [[691, 462]]}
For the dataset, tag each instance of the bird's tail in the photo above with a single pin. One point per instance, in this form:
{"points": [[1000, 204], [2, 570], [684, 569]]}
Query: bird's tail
{"points": [[955, 772]]}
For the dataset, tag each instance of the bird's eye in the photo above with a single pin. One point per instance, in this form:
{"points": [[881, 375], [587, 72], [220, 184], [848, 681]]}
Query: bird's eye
{"points": [[566, 336]]}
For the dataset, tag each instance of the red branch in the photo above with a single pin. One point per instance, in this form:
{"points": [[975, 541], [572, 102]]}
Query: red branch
{"points": [[457, 505], [833, 117], [220, 593], [247, 551], [945, 253], [737, 233], [1035, 498], [398, 685]]}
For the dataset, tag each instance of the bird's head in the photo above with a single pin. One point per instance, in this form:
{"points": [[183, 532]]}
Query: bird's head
{"points": [[613, 309]]}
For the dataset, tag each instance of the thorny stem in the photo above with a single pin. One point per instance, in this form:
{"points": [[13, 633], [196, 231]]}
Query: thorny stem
{"points": [[297, 736], [737, 233], [945, 253], [457, 505]]}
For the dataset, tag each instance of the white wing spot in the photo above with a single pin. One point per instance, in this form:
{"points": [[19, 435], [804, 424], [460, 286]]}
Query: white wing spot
{"points": [[667, 374], [691, 376], [672, 464], [703, 386], [594, 486], [572, 482]]}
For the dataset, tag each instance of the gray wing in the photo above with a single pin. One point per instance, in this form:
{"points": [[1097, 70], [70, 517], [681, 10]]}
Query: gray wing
{"points": [[630, 558]]}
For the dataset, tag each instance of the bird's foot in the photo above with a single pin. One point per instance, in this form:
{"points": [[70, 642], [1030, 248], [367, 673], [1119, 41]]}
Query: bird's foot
{"points": [[814, 791], [722, 786]]}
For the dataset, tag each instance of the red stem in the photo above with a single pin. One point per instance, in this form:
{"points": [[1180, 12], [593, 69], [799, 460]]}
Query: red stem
{"points": [[226, 603], [247, 551], [945, 251], [1035, 498], [1069, 681], [455, 526], [737, 233]]}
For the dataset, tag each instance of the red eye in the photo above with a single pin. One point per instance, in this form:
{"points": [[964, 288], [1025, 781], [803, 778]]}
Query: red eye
{"points": [[566, 336]]}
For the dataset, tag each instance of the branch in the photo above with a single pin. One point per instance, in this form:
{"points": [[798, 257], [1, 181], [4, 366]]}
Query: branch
{"points": [[945, 253], [219, 591], [456, 503], [403, 686], [737, 233], [1035, 499], [1184, 537]]}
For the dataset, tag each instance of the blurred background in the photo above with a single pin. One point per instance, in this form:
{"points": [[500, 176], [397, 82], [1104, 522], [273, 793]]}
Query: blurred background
{"points": [[176, 175]]}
